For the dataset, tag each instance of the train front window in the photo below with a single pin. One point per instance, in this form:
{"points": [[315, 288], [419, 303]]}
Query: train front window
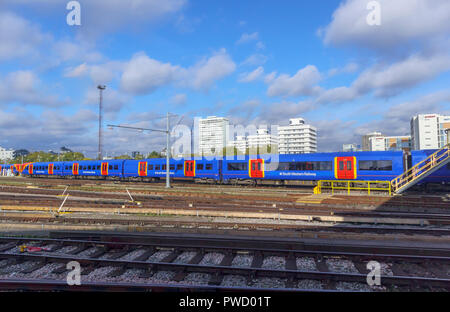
{"points": [[349, 165]]}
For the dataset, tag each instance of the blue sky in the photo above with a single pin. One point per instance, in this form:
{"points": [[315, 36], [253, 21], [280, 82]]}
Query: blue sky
{"points": [[255, 62]]}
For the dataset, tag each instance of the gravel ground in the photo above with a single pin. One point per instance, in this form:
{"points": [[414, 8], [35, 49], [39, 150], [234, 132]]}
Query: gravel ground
{"points": [[212, 258], [273, 262], [351, 286], [45, 272], [234, 281], [86, 253], [310, 284], [98, 274], [3, 262], [242, 261], [161, 277], [185, 257], [14, 270], [130, 276], [159, 255], [306, 264], [268, 282], [341, 266], [386, 269], [132, 255], [197, 278]]}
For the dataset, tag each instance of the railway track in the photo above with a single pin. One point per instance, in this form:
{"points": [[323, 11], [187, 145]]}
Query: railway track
{"points": [[154, 223], [199, 261]]}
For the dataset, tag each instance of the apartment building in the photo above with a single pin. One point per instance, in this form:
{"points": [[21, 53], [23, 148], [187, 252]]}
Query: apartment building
{"points": [[213, 135], [428, 131], [297, 138]]}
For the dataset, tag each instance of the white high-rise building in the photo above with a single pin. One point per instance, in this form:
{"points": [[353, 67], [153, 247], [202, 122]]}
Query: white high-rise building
{"points": [[213, 135], [366, 138], [6, 154], [241, 143], [390, 143], [262, 138], [353, 147], [297, 138], [428, 131]]}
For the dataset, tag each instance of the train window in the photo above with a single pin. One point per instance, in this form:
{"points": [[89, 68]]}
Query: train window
{"points": [[375, 165], [199, 166], [164, 167], [110, 167], [116, 167], [89, 168], [349, 165], [67, 168], [98, 167], [180, 167], [172, 167], [157, 167], [237, 166], [209, 166], [150, 167]]}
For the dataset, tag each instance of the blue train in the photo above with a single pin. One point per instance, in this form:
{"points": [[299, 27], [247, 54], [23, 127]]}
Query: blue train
{"points": [[298, 169]]}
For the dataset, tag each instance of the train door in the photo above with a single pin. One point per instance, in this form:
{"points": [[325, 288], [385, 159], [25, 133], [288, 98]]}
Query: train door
{"points": [[75, 169], [345, 168], [256, 168], [104, 169], [50, 169], [30, 169], [142, 169], [189, 168]]}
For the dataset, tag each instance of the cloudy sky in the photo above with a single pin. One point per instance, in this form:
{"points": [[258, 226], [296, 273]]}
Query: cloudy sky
{"points": [[256, 62]]}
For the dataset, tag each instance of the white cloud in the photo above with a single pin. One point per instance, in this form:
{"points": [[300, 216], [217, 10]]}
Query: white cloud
{"points": [[303, 83], [178, 99], [389, 81], [205, 73], [25, 88], [252, 76], [399, 76], [403, 22], [255, 60], [18, 37], [143, 75], [248, 37], [103, 16]]}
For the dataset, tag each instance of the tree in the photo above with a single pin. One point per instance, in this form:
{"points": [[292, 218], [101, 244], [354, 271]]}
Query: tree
{"points": [[65, 150], [123, 157], [154, 154], [20, 153]]}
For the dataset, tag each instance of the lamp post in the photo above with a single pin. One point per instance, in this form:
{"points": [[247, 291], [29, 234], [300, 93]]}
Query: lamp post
{"points": [[100, 116]]}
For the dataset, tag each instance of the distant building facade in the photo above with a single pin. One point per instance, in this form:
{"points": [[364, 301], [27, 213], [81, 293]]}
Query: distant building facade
{"points": [[213, 135], [390, 143], [241, 143], [297, 138], [262, 138], [366, 140], [428, 131], [6, 154], [351, 147]]}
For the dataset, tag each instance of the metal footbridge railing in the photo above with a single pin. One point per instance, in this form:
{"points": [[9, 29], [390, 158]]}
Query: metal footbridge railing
{"points": [[421, 170]]}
